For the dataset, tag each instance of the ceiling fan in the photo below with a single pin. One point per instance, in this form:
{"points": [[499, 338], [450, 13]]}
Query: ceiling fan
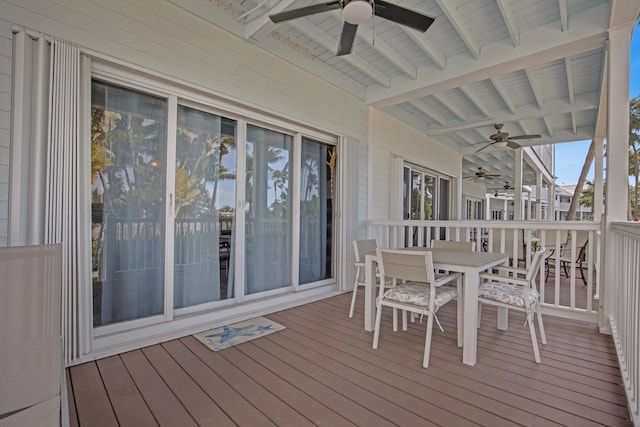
{"points": [[481, 174], [502, 139], [356, 12], [505, 189]]}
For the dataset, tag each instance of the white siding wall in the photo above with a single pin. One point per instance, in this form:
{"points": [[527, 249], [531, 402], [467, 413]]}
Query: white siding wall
{"points": [[5, 103], [474, 189], [163, 38], [160, 38], [392, 137]]}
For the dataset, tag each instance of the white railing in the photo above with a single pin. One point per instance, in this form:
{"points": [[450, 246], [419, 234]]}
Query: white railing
{"points": [[574, 301], [624, 317]]}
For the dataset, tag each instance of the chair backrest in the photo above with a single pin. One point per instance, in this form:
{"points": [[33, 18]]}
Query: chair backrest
{"points": [[534, 267], [582, 238], [551, 238], [403, 265], [508, 242], [361, 247], [450, 244]]}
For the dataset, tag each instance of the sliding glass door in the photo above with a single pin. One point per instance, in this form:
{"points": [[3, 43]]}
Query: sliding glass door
{"points": [[164, 191], [205, 175], [267, 210], [128, 159]]}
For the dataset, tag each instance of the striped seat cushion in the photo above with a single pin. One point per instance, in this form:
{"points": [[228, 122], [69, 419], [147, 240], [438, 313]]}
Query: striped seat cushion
{"points": [[419, 294], [507, 294]]}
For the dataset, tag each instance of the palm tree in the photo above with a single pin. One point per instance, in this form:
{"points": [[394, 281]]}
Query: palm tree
{"points": [[634, 146], [571, 214]]}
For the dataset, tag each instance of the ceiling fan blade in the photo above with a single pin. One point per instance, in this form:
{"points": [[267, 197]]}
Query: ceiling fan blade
{"points": [[346, 38], [402, 16], [525, 136], [304, 11], [513, 144], [484, 148]]}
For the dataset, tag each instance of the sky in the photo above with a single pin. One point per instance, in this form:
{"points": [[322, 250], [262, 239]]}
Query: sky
{"points": [[570, 156]]}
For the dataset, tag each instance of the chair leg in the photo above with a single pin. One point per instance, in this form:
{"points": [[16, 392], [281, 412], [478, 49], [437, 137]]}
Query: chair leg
{"points": [[376, 329], [479, 314], [534, 340], [427, 341], [460, 313], [543, 337], [355, 293], [584, 280], [353, 300], [395, 319], [404, 320]]}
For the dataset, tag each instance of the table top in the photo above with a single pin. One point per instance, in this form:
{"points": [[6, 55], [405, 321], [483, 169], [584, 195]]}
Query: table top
{"points": [[459, 258]]}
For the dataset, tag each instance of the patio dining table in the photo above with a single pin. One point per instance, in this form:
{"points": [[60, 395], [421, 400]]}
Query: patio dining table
{"points": [[470, 264]]}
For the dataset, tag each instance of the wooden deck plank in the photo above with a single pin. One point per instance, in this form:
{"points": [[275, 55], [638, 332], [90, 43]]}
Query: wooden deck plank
{"points": [[394, 358], [203, 410], [261, 398], [166, 408], [230, 401], [73, 414], [615, 385], [352, 411], [423, 401], [497, 381], [318, 413], [126, 400], [91, 399], [322, 369], [364, 397]]}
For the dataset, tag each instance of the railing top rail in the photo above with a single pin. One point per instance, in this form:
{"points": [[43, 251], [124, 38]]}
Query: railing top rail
{"points": [[529, 225], [630, 229]]}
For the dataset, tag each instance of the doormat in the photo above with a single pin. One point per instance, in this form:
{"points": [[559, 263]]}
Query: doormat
{"points": [[227, 336]]}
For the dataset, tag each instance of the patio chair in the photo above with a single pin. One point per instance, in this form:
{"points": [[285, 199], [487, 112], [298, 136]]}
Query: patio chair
{"points": [[515, 288], [360, 248], [582, 243], [450, 244], [550, 243], [419, 291]]}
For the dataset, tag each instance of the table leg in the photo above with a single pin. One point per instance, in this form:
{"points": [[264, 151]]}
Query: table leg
{"points": [[503, 318], [470, 331]]}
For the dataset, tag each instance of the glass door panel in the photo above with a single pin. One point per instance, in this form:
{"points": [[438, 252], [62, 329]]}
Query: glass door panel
{"points": [[204, 206], [316, 211], [268, 215], [128, 152]]}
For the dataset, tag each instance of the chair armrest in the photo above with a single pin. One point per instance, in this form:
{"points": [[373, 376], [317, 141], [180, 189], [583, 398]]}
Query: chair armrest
{"points": [[505, 279], [512, 270], [443, 280]]}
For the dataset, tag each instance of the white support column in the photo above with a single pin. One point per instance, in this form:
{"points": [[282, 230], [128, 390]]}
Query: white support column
{"points": [[538, 196], [618, 63], [487, 208], [517, 196]]}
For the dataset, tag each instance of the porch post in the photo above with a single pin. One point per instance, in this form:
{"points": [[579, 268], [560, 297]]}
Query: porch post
{"points": [[517, 195], [618, 64], [538, 196]]}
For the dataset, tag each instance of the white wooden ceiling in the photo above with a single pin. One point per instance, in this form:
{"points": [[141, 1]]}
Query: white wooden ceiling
{"points": [[534, 65]]}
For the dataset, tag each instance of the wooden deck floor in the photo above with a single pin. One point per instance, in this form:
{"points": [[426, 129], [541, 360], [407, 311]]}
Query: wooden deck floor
{"points": [[322, 370]]}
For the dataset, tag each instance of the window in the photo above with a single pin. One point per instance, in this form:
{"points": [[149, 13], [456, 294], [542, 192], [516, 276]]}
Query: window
{"points": [[426, 195]]}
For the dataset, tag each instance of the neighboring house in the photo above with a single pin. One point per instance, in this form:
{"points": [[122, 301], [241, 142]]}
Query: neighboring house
{"points": [[564, 195]]}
